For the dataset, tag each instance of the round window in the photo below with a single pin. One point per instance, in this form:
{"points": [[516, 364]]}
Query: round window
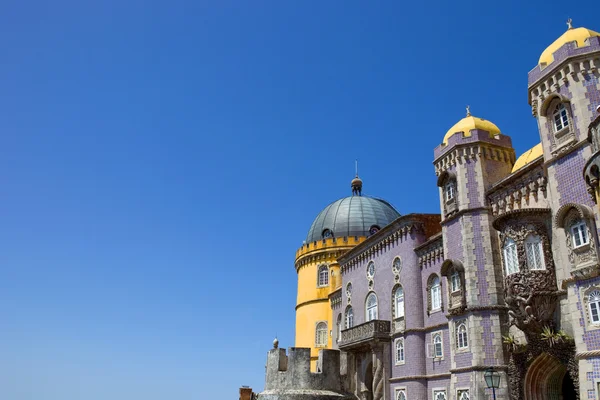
{"points": [[371, 269], [349, 289]]}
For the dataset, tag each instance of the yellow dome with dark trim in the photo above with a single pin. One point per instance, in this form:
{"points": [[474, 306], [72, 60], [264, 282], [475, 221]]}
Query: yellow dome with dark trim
{"points": [[529, 156], [578, 35], [467, 124]]}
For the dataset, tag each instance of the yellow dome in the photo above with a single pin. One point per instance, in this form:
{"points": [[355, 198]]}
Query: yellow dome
{"points": [[529, 156], [469, 123], [572, 35]]}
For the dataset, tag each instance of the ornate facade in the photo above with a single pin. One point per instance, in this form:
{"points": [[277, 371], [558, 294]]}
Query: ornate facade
{"points": [[505, 277]]}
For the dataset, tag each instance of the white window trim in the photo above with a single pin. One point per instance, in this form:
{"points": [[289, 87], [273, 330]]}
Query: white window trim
{"points": [[376, 307], [589, 307], [436, 307], [557, 111], [459, 284], [433, 336], [325, 268], [349, 323], [537, 241], [317, 343], [449, 193], [403, 360], [369, 275], [457, 335], [582, 227], [435, 391], [397, 310], [459, 392], [510, 246]]}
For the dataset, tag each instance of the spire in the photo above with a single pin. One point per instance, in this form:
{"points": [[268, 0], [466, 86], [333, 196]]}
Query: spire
{"points": [[356, 183], [569, 23], [468, 111]]}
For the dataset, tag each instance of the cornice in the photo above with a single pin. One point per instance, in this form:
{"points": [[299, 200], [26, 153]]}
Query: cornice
{"points": [[473, 151]]}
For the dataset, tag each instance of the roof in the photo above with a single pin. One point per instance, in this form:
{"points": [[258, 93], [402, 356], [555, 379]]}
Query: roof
{"points": [[578, 35], [530, 155], [352, 216], [467, 124]]}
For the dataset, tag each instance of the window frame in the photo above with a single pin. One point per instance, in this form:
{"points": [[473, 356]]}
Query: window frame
{"points": [[455, 283], [449, 191], [323, 276], [510, 246], [339, 323], [437, 392], [434, 337], [399, 312], [400, 349], [532, 242], [460, 393], [560, 111], [321, 330], [369, 309], [583, 235], [349, 317], [462, 336], [402, 391], [595, 302], [370, 265], [435, 287]]}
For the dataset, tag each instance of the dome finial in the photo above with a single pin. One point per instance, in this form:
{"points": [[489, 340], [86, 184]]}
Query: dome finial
{"points": [[468, 111], [356, 183], [570, 23]]}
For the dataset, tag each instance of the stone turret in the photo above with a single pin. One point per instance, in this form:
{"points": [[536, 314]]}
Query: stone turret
{"points": [[288, 376]]}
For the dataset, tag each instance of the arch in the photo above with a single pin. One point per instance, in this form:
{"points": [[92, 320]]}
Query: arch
{"points": [[549, 101], [445, 177], [448, 265], [321, 334], [371, 311], [349, 317], [398, 301], [434, 293], [323, 276], [545, 379], [583, 211]]}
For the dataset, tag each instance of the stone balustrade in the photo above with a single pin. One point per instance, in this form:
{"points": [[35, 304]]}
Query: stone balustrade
{"points": [[359, 335]]}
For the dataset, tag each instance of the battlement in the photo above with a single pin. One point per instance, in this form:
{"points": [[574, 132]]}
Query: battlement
{"points": [[475, 135], [329, 243], [291, 371]]}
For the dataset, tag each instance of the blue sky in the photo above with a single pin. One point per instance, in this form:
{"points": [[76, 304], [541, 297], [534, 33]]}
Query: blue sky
{"points": [[162, 161]]}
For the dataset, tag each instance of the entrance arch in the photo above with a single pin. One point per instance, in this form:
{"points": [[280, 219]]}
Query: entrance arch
{"points": [[548, 379]]}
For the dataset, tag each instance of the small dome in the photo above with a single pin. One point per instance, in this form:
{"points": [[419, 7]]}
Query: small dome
{"points": [[529, 156], [578, 35], [469, 123], [351, 216]]}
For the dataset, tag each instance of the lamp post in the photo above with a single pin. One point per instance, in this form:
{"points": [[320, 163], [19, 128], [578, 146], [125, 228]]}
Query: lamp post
{"points": [[492, 380]]}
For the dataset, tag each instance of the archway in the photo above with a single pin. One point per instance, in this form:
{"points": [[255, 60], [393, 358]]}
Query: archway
{"points": [[548, 379]]}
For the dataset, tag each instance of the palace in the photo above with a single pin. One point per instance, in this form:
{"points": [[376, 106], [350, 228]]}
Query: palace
{"points": [[503, 282]]}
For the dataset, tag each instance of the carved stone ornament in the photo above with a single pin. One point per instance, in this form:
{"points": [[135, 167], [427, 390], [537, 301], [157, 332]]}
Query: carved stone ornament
{"points": [[531, 295]]}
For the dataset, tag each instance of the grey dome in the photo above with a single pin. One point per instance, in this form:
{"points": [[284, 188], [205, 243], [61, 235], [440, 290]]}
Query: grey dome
{"points": [[352, 216]]}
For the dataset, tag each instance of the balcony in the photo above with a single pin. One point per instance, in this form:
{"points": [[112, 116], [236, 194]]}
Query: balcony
{"points": [[364, 334]]}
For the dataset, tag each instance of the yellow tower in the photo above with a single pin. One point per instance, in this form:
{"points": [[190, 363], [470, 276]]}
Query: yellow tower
{"points": [[339, 227]]}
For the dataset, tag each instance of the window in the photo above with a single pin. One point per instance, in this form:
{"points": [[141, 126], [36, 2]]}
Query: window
{"points": [[399, 350], [462, 341], [535, 252], [455, 281], [401, 394], [579, 234], [349, 317], [560, 117], [397, 265], [435, 292], [323, 276], [339, 327], [449, 190], [437, 345], [594, 304], [463, 394], [349, 289], [371, 306], [399, 302], [511, 260], [371, 270], [439, 395], [321, 335], [327, 234], [374, 229]]}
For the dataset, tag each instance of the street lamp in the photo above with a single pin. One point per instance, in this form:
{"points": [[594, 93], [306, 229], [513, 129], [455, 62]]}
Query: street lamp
{"points": [[492, 380]]}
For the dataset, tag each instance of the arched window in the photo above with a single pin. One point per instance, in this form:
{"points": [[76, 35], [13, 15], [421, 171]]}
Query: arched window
{"points": [[371, 307], [594, 305], [449, 190], [349, 317], [462, 340], [323, 276], [535, 252], [511, 260], [401, 395], [439, 395], [438, 351], [560, 117], [579, 234], [455, 281], [399, 302], [463, 395], [435, 293], [321, 335], [399, 350], [339, 327], [349, 289]]}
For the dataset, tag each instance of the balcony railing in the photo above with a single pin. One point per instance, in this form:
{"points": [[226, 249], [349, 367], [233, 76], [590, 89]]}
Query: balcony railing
{"points": [[375, 330]]}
